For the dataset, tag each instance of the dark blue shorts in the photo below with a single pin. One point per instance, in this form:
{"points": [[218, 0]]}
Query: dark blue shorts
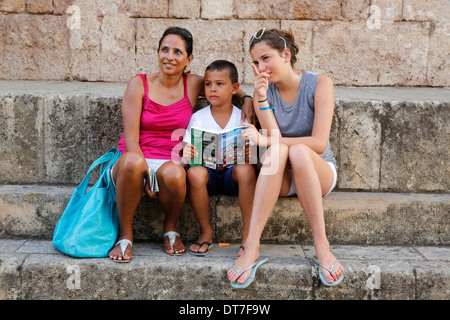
{"points": [[221, 182]]}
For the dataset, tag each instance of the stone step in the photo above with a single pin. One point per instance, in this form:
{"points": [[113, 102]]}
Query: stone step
{"points": [[33, 270], [384, 139], [32, 211]]}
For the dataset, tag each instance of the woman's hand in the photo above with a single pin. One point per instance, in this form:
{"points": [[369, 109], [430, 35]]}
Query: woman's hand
{"points": [[260, 84], [147, 188]]}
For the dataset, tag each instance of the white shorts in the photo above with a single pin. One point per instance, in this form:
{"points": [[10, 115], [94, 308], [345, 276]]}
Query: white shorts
{"points": [[151, 163], [292, 190]]}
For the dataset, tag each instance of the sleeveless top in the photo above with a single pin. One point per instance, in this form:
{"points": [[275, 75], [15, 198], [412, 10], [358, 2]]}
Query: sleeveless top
{"points": [[162, 127], [296, 120]]}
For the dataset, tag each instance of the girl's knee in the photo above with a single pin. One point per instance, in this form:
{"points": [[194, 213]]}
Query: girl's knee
{"points": [[300, 155]]}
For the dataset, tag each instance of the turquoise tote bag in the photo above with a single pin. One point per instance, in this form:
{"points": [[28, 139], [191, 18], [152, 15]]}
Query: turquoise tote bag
{"points": [[89, 225]]}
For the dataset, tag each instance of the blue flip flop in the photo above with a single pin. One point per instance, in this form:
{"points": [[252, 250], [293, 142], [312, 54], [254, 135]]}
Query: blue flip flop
{"points": [[249, 280], [330, 270]]}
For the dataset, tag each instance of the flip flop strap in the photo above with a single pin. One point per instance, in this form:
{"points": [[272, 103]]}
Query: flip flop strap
{"points": [[123, 245], [241, 272], [330, 270], [172, 237]]}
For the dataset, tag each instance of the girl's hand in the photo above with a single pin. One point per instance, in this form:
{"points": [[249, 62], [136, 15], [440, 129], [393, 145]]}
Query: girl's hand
{"points": [[251, 133], [260, 83]]}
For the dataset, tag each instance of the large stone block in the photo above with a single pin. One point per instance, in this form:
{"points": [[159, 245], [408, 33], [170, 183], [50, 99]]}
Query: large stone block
{"points": [[395, 54], [184, 9], [359, 145], [438, 68], [429, 10], [12, 5], [117, 49], [21, 139], [65, 142], [85, 48], [288, 10], [302, 32], [34, 47], [415, 144], [217, 9]]}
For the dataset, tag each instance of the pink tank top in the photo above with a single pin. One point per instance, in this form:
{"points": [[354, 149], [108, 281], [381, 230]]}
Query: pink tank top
{"points": [[162, 127]]}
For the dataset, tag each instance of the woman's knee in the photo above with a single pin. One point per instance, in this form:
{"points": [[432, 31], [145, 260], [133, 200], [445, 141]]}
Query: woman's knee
{"points": [[131, 164], [172, 175]]}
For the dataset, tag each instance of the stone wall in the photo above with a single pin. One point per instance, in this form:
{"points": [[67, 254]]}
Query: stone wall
{"points": [[356, 42]]}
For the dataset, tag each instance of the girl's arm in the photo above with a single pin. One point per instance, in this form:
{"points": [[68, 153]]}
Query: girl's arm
{"points": [[324, 108]]}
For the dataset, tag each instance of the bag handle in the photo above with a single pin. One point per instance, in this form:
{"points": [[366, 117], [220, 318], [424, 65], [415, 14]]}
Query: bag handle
{"points": [[107, 161]]}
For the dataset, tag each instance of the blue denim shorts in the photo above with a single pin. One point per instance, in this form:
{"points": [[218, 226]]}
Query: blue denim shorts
{"points": [[221, 182]]}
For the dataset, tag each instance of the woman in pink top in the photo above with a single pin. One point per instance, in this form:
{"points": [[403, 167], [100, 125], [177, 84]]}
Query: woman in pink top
{"points": [[154, 106]]}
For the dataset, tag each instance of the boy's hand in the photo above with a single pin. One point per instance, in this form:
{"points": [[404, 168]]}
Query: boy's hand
{"points": [[188, 153]]}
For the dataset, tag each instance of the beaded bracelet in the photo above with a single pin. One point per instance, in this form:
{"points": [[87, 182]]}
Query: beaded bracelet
{"points": [[246, 96]]}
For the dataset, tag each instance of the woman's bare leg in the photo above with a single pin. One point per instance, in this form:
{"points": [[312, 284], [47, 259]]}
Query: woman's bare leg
{"points": [[172, 193], [128, 173]]}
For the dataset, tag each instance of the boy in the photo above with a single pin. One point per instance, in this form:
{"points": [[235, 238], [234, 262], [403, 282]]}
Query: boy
{"points": [[221, 83]]}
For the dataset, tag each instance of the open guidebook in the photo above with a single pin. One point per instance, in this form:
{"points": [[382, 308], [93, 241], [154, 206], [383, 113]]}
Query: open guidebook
{"points": [[153, 181], [217, 149]]}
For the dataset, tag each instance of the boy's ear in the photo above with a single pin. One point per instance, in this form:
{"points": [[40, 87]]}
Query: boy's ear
{"points": [[235, 88]]}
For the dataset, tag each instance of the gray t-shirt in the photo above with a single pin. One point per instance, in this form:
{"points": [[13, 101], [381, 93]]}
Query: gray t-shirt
{"points": [[296, 120]]}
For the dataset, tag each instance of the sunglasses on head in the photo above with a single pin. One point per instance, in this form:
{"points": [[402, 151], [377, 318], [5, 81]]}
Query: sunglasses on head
{"points": [[258, 34], [184, 31]]}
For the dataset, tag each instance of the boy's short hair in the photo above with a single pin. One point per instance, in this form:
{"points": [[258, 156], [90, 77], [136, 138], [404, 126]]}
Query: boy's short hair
{"points": [[221, 65]]}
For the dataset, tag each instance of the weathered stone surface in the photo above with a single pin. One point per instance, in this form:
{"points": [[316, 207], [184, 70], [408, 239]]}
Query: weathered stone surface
{"points": [[395, 54], [350, 218], [410, 159], [39, 6], [21, 138], [184, 9], [217, 9], [430, 10], [438, 69], [302, 32], [12, 5], [359, 146], [383, 138], [34, 47], [35, 270]]}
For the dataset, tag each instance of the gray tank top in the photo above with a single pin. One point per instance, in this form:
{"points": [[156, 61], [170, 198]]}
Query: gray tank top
{"points": [[296, 120]]}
